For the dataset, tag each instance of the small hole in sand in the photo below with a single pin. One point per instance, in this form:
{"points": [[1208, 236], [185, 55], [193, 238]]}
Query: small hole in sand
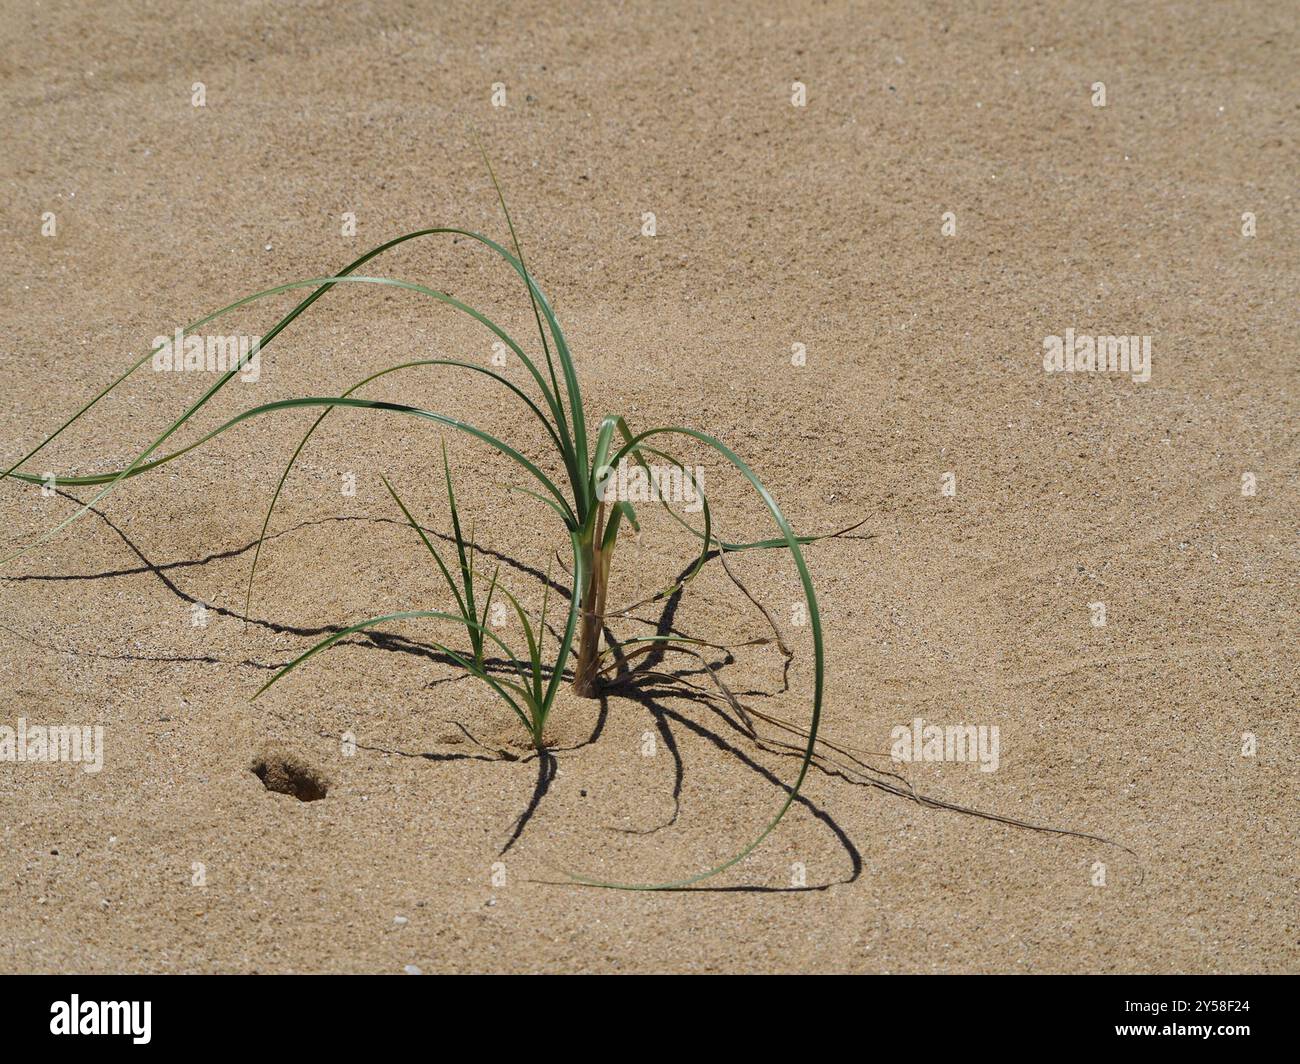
{"points": [[286, 774]]}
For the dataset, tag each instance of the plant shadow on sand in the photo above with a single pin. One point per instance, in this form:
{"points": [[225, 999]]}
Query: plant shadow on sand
{"points": [[650, 682]]}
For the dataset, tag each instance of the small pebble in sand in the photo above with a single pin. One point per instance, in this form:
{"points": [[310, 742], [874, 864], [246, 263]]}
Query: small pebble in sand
{"points": [[401, 921], [411, 969]]}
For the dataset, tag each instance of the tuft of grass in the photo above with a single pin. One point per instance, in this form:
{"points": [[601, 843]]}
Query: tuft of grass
{"points": [[528, 683]]}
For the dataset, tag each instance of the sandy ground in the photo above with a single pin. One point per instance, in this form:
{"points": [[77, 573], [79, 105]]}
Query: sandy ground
{"points": [[776, 225]]}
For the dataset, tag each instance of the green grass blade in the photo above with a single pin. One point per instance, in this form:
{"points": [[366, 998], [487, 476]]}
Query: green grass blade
{"points": [[534, 651], [610, 538], [466, 569], [541, 624], [446, 573], [540, 498], [492, 587], [571, 624], [582, 497], [519, 254], [203, 400]]}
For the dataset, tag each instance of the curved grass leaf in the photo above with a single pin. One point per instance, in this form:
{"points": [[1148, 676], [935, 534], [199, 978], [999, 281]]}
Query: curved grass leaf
{"points": [[584, 520], [322, 284]]}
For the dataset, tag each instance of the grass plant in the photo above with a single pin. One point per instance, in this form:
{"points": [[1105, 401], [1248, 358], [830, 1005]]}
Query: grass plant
{"points": [[589, 522]]}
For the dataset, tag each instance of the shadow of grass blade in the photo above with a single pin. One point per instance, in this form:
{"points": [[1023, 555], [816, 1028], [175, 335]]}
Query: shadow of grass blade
{"points": [[498, 686], [814, 618]]}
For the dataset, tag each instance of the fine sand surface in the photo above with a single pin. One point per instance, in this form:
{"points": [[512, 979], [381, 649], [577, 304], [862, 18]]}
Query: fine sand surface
{"points": [[776, 225]]}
